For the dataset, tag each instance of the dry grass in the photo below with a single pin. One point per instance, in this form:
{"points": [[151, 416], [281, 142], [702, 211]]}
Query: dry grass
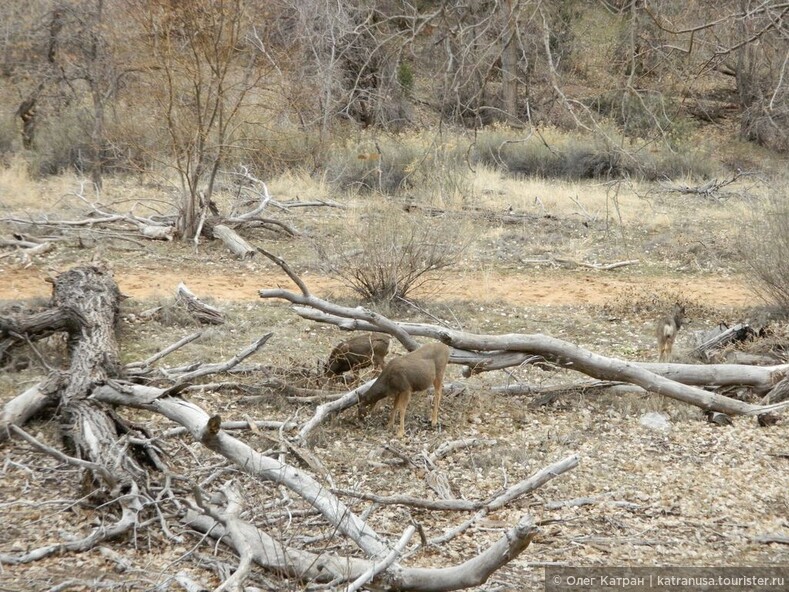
{"points": [[717, 480]]}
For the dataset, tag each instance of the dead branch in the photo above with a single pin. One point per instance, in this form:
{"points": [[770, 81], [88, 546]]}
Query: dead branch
{"points": [[587, 501], [521, 488], [24, 250], [761, 379], [57, 454], [358, 313], [778, 394], [707, 190], [145, 365], [771, 538], [572, 263], [207, 430], [16, 331], [529, 389], [238, 425], [447, 448], [326, 567], [237, 245], [441, 505], [23, 407], [202, 312], [561, 353], [322, 412], [181, 378], [229, 519], [297, 393], [376, 568], [721, 337]]}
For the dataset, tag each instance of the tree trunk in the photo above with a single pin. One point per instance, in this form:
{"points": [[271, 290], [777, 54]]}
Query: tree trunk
{"points": [[90, 297], [509, 62]]}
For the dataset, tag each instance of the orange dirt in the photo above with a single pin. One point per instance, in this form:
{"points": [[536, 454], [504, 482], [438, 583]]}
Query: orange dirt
{"points": [[517, 288]]}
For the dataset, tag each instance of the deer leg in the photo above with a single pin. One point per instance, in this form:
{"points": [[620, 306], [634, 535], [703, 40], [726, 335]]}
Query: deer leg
{"points": [[669, 346], [436, 400], [395, 400], [400, 406], [406, 399]]}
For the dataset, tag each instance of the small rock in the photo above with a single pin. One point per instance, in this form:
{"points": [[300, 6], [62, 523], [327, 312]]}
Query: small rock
{"points": [[718, 418], [655, 421]]}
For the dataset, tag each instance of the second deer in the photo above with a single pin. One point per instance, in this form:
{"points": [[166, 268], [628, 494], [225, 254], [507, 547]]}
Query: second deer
{"points": [[358, 352], [667, 329], [414, 372]]}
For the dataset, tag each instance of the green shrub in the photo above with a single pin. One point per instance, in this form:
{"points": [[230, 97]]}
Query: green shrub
{"points": [[529, 157], [405, 78]]}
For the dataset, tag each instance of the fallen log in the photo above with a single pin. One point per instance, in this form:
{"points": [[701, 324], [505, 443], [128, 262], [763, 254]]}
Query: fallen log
{"points": [[85, 303], [563, 354], [761, 379], [202, 312], [237, 245], [721, 338]]}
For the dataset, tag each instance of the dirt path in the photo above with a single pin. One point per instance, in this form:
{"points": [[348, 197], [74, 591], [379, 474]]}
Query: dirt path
{"points": [[517, 288]]}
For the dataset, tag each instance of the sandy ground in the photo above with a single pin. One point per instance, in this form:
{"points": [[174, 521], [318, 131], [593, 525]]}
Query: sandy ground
{"points": [[531, 287]]}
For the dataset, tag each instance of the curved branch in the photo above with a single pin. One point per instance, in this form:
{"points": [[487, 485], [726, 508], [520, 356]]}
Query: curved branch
{"points": [[195, 419], [517, 347]]}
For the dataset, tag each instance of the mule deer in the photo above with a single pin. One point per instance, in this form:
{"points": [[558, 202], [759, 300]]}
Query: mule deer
{"points": [[411, 373], [358, 352], [667, 329]]}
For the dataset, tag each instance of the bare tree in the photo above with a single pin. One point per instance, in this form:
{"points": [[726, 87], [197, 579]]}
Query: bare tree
{"points": [[205, 70]]}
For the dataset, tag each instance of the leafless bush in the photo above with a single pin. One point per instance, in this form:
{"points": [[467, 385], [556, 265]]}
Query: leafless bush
{"points": [[389, 253], [766, 246]]}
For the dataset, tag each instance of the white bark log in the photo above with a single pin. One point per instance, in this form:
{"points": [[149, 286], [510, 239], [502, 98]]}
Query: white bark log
{"points": [[237, 245], [157, 232], [559, 352], [251, 461], [271, 554], [761, 378], [28, 404]]}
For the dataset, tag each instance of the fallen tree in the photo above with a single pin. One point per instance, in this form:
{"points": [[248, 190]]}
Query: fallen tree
{"points": [[479, 352], [127, 470]]}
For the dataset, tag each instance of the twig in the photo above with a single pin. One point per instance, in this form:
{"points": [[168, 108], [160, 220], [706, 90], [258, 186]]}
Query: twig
{"points": [[447, 448], [165, 352], [521, 488], [73, 461], [286, 268], [239, 425], [377, 568], [771, 538], [224, 366], [442, 505], [332, 408]]}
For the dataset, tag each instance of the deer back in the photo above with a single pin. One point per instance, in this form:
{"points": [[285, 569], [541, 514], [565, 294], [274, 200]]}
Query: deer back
{"points": [[415, 371], [357, 352]]}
